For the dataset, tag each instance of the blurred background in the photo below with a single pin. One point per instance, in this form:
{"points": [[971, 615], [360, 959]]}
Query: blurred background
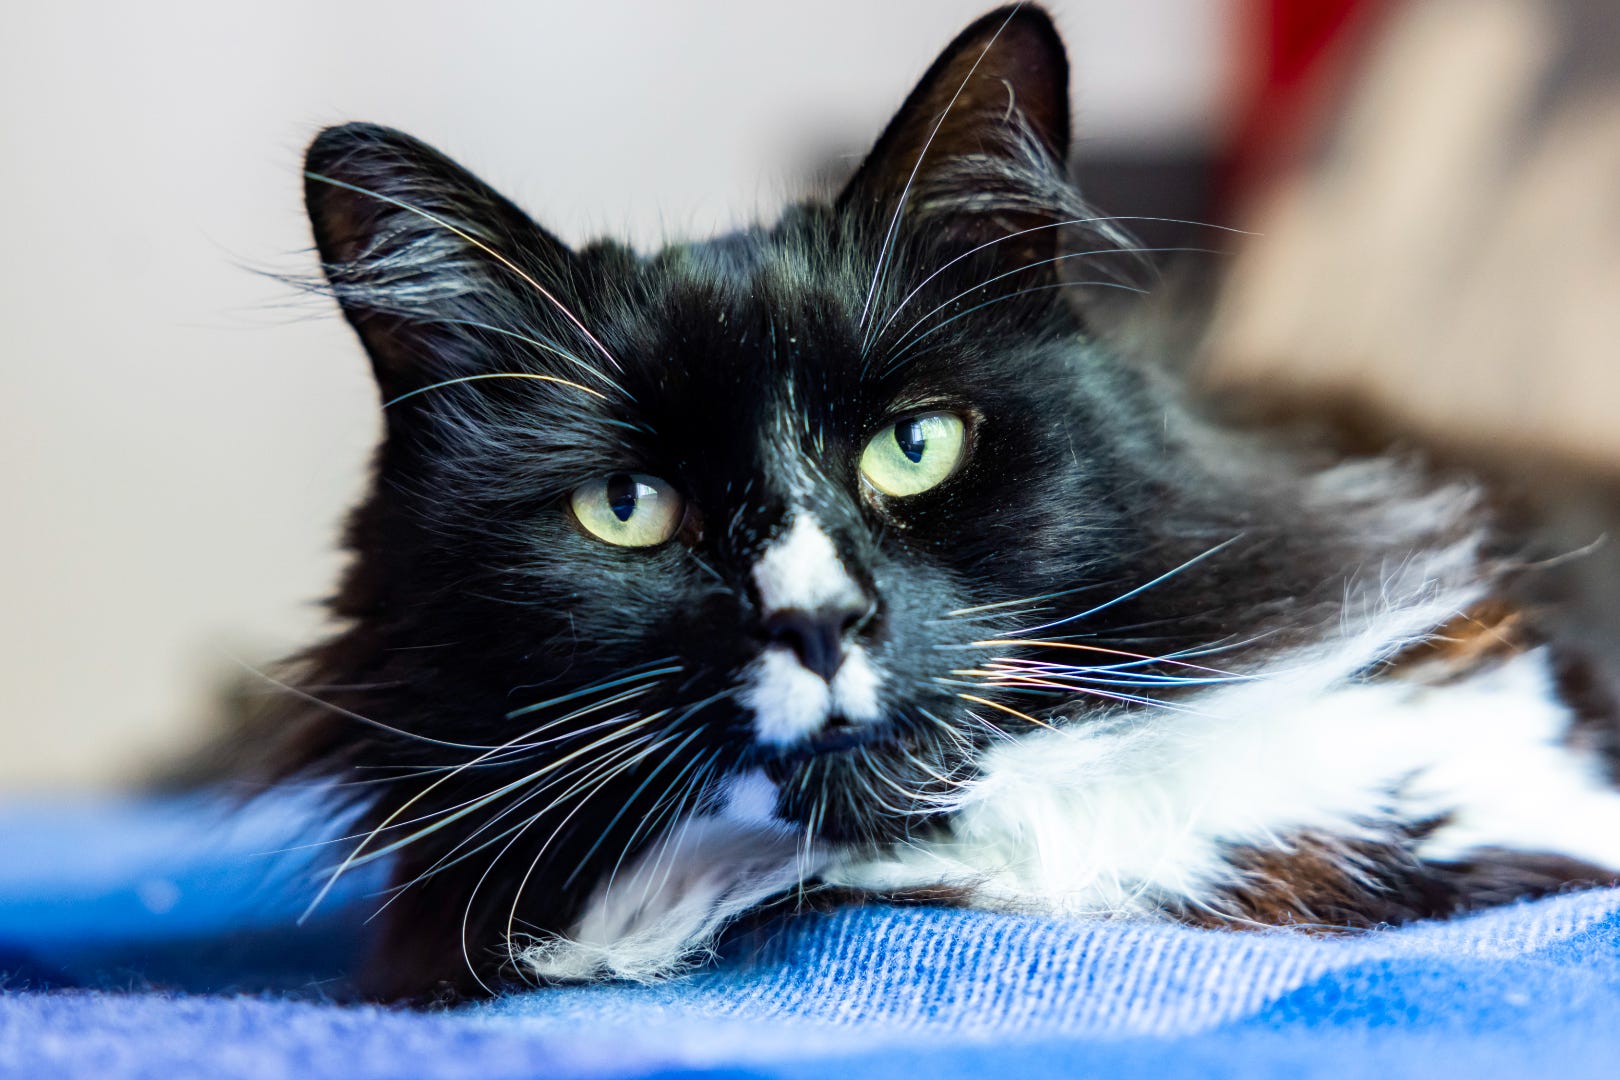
{"points": [[1431, 190]]}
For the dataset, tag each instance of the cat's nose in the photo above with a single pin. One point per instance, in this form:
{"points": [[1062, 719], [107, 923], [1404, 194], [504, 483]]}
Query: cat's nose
{"points": [[816, 637]]}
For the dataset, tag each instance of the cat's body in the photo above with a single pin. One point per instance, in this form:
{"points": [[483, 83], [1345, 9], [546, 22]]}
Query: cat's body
{"points": [[837, 553]]}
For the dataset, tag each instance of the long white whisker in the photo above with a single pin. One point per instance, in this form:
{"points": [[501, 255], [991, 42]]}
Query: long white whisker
{"points": [[673, 810], [518, 895], [545, 346], [351, 714], [894, 357], [596, 773], [900, 204], [650, 822], [571, 695], [480, 245], [473, 805], [1049, 262], [496, 375], [1139, 590], [1095, 219], [608, 828], [355, 855]]}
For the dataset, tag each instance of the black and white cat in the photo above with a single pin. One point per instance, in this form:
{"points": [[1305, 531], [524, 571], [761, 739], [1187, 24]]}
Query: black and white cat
{"points": [[838, 552]]}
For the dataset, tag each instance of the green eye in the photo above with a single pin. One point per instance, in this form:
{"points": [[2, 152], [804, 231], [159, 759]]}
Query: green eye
{"points": [[915, 454], [628, 509]]}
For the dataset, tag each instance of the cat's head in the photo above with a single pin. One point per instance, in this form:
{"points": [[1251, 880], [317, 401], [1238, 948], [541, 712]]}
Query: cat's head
{"points": [[793, 523]]}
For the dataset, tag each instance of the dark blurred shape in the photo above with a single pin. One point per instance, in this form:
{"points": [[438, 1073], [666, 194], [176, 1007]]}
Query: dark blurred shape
{"points": [[1162, 196]]}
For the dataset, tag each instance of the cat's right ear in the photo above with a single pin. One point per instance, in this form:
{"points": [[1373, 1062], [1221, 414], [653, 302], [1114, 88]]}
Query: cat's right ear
{"points": [[416, 248]]}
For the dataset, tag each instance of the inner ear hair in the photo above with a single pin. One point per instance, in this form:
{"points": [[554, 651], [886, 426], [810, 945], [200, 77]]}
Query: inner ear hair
{"points": [[411, 243], [991, 111]]}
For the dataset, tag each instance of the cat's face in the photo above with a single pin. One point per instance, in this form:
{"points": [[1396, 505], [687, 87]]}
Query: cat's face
{"points": [[772, 526], [740, 523]]}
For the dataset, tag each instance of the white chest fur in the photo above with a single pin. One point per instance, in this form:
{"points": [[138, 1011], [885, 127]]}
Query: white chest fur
{"points": [[1115, 816]]}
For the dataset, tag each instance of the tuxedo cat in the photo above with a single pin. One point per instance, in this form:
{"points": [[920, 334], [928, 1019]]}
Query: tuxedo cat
{"points": [[840, 552]]}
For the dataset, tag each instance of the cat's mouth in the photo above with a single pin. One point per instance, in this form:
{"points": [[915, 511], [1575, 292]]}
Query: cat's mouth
{"points": [[838, 736]]}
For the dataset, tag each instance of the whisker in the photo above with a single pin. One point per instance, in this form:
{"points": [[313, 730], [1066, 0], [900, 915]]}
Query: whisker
{"points": [[1170, 658], [629, 844], [517, 896], [1139, 590], [1110, 695], [349, 713], [354, 855], [473, 805], [527, 709], [996, 732], [545, 346], [672, 811], [1007, 709], [634, 795], [1051, 261], [496, 375], [1016, 603], [886, 249], [601, 772], [1107, 675], [1094, 219], [480, 245], [895, 357]]}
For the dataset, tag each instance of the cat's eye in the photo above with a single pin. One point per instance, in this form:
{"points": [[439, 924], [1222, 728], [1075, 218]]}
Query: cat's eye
{"points": [[628, 509], [914, 454]]}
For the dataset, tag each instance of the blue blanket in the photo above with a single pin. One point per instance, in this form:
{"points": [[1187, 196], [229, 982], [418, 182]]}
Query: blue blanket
{"points": [[159, 939]]}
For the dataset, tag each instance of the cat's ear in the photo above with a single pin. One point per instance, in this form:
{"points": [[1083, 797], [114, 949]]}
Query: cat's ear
{"points": [[979, 149], [416, 249]]}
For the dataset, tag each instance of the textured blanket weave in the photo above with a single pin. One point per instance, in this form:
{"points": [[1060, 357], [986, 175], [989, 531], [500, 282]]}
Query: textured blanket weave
{"points": [[160, 940]]}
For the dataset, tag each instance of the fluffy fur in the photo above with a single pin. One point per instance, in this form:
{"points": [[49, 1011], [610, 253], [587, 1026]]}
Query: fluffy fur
{"points": [[1117, 661]]}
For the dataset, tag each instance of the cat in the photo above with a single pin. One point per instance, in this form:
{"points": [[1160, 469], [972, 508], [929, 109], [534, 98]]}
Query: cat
{"points": [[842, 555]]}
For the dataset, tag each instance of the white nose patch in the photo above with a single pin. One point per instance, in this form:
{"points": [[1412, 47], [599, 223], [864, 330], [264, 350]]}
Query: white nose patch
{"points": [[801, 569]]}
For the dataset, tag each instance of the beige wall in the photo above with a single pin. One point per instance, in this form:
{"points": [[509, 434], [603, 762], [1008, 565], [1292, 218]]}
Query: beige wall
{"points": [[178, 436], [1449, 255]]}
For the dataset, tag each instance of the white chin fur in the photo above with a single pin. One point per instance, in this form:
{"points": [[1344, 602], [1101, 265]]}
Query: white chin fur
{"points": [[750, 801], [790, 703], [663, 911]]}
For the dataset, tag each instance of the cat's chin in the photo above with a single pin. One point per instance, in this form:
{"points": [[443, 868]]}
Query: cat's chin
{"points": [[837, 739], [829, 788]]}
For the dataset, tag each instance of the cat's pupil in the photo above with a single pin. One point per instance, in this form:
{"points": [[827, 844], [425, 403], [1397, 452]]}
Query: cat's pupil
{"points": [[622, 490], [909, 434]]}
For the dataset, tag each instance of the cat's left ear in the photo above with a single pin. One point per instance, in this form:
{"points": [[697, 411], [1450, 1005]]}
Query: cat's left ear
{"points": [[979, 149]]}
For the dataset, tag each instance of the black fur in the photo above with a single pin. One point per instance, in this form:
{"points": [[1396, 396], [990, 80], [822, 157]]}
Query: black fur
{"points": [[736, 369]]}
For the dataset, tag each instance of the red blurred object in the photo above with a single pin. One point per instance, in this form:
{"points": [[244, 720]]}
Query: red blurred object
{"points": [[1295, 53]]}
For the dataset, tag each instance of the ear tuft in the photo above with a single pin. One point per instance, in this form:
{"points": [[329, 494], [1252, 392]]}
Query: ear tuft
{"points": [[978, 151], [1000, 90]]}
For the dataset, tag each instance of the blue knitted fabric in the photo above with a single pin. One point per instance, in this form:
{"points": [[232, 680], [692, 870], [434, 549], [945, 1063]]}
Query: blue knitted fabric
{"points": [[159, 939]]}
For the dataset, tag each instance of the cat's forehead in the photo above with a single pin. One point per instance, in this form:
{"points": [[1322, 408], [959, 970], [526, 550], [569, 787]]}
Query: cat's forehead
{"points": [[744, 372], [769, 291], [755, 327]]}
